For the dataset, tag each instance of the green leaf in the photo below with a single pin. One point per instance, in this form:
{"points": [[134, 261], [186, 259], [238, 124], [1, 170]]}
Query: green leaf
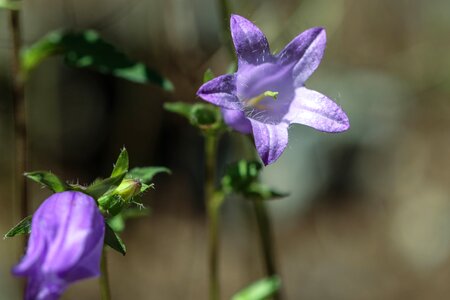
{"points": [[208, 75], [23, 227], [111, 204], [117, 223], [146, 174], [10, 4], [259, 290], [243, 178], [135, 212], [202, 115], [232, 68], [113, 240], [100, 187], [181, 108], [121, 165], [49, 180], [86, 49]]}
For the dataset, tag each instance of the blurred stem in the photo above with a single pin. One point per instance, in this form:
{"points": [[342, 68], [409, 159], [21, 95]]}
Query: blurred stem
{"points": [[19, 114], [105, 290], [213, 201], [225, 12], [266, 238]]}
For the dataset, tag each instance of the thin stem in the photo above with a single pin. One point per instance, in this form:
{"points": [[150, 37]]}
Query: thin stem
{"points": [[213, 201], [267, 241], [19, 114], [105, 290], [225, 17]]}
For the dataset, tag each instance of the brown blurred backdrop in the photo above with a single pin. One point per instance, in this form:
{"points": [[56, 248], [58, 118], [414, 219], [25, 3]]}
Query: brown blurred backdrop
{"points": [[369, 212]]}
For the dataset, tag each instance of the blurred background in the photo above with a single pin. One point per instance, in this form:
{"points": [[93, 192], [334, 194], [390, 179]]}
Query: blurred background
{"points": [[368, 216]]}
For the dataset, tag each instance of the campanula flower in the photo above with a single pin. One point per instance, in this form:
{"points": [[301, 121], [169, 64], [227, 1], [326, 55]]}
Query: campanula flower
{"points": [[65, 245], [268, 93]]}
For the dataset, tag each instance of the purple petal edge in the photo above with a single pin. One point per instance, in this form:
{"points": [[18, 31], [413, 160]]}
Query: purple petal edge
{"points": [[249, 41], [306, 51], [270, 140], [220, 91], [237, 120], [316, 110]]}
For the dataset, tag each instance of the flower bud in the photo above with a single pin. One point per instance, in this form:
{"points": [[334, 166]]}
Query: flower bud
{"points": [[128, 188]]}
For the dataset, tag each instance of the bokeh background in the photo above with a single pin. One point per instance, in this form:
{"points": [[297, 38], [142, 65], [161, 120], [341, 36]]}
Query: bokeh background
{"points": [[368, 216]]}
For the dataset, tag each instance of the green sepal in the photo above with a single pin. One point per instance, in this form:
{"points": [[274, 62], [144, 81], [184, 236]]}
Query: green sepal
{"points": [[49, 180], [121, 165], [10, 4], [114, 241], [23, 227], [146, 174], [232, 67], [86, 49], [243, 178], [117, 223], [205, 116], [208, 75], [102, 186], [111, 204], [259, 290]]}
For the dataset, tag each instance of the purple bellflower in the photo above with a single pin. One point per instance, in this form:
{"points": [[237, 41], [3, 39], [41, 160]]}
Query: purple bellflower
{"points": [[65, 245], [268, 93]]}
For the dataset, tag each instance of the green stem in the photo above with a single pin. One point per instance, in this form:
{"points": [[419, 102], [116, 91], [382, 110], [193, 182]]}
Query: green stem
{"points": [[213, 201], [267, 241], [19, 111], [105, 290], [225, 17]]}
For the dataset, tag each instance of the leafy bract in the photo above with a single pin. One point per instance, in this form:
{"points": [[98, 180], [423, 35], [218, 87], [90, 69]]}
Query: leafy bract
{"points": [[49, 180], [23, 227], [259, 290], [243, 178], [86, 49]]}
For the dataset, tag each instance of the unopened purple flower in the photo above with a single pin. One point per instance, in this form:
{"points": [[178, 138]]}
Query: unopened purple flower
{"points": [[268, 93], [65, 245]]}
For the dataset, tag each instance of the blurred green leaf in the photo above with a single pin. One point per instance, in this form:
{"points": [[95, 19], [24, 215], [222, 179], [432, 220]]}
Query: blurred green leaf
{"points": [[208, 75], [181, 108], [232, 68], [117, 223], [49, 180], [121, 165], [87, 49], [10, 4], [146, 174], [202, 115], [111, 204], [100, 187], [260, 290], [113, 240], [243, 178], [23, 227]]}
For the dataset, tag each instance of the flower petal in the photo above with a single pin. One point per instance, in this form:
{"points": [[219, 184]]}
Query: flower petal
{"points": [[65, 245], [313, 109], [220, 91], [306, 51], [237, 120], [250, 42], [270, 140]]}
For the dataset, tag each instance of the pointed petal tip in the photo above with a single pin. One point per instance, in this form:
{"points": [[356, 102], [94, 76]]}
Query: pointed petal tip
{"points": [[234, 18], [341, 126]]}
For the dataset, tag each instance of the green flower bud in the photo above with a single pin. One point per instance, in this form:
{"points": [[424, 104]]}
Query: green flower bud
{"points": [[128, 188]]}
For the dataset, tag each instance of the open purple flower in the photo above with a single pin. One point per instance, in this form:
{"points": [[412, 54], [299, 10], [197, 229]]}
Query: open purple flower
{"points": [[267, 93], [65, 245]]}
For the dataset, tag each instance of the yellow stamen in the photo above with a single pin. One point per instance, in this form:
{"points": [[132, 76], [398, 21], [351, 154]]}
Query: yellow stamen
{"points": [[255, 100]]}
